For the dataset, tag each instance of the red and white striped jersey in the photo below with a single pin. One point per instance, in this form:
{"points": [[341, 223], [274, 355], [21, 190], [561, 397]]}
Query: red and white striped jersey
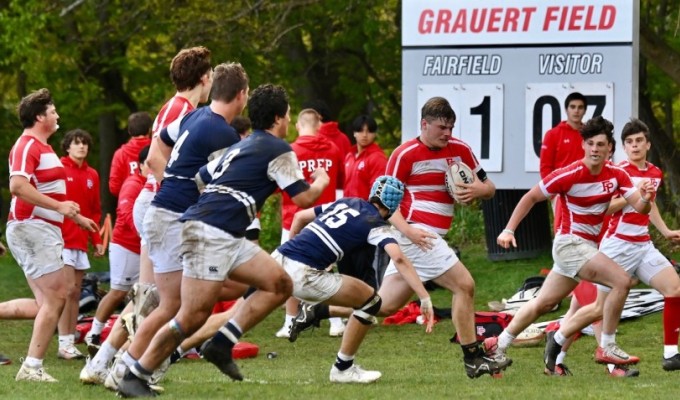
{"points": [[628, 224], [175, 108], [37, 162], [422, 170], [585, 197]]}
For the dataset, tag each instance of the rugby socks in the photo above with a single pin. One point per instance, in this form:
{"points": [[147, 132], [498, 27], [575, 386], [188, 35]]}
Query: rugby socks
{"points": [[560, 339], [228, 335], [505, 340], [64, 341], [471, 351], [97, 327], [343, 361], [607, 338], [32, 362], [128, 359], [288, 321], [322, 311], [671, 325], [560, 358], [141, 372], [104, 356]]}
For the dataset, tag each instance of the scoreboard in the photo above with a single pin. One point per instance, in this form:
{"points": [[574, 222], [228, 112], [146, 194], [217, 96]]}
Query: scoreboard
{"points": [[506, 67]]}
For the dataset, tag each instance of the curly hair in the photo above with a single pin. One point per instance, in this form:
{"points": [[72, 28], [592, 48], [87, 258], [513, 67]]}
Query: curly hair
{"points": [[267, 102], [78, 134]]}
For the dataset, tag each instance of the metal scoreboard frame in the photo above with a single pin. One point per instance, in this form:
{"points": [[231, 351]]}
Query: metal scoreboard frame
{"points": [[507, 66]]}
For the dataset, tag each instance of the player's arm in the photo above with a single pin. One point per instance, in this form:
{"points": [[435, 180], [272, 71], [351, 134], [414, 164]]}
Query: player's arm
{"points": [[419, 237], [20, 187], [482, 188], [307, 198], [526, 203], [616, 205], [641, 199], [159, 154], [658, 222], [300, 220], [405, 268]]}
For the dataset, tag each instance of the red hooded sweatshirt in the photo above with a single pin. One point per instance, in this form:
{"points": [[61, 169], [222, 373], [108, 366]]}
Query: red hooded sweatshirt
{"points": [[331, 131], [313, 152], [82, 186], [124, 232], [362, 169], [126, 162], [561, 146]]}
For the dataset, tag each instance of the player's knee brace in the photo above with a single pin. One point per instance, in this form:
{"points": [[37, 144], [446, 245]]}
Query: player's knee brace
{"points": [[176, 329], [370, 309]]}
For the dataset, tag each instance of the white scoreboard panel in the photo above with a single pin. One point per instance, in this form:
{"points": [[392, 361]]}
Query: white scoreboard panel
{"points": [[506, 66], [544, 108]]}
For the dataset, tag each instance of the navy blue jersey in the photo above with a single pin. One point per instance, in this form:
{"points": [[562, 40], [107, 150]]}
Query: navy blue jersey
{"points": [[242, 179], [339, 228], [194, 140]]}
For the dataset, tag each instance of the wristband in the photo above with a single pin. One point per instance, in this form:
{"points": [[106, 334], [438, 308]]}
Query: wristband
{"points": [[642, 199], [426, 303], [509, 231]]}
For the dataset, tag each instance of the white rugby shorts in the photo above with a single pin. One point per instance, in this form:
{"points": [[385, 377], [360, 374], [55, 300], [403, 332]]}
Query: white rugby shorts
{"points": [[309, 284], [429, 264], [76, 259], [142, 203], [163, 235], [570, 253], [36, 245], [124, 266], [637, 259], [210, 254]]}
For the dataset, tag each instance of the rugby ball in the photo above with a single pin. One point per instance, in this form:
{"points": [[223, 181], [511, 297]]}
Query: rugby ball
{"points": [[457, 173], [531, 336]]}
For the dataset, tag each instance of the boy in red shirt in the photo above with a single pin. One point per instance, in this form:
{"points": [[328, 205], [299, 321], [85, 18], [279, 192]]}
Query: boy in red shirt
{"points": [[82, 186], [124, 162]]}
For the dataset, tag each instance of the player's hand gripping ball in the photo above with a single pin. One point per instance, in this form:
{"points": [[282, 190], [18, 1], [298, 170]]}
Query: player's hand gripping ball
{"points": [[457, 173]]}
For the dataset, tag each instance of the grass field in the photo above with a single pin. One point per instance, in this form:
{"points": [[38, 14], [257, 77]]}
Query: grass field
{"points": [[414, 364]]}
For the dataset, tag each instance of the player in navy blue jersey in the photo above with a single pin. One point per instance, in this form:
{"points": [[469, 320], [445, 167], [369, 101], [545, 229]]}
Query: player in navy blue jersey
{"points": [[214, 247], [195, 139], [330, 232]]}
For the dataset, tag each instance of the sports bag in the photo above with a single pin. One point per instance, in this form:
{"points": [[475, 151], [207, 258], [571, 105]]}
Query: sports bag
{"points": [[488, 324]]}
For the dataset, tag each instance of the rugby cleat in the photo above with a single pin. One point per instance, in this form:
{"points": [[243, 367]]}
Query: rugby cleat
{"points": [[305, 319]]}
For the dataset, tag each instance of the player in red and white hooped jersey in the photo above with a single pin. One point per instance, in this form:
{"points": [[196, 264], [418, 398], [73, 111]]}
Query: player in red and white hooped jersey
{"points": [[426, 213], [587, 187], [38, 187], [191, 74], [628, 224], [628, 243], [422, 170]]}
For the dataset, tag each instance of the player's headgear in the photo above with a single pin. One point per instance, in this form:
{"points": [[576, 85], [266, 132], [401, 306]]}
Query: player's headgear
{"points": [[389, 191]]}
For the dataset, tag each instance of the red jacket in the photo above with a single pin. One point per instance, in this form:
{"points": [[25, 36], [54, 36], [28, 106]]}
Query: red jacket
{"points": [[82, 186], [124, 232], [362, 169], [126, 162], [313, 152], [562, 145], [331, 131]]}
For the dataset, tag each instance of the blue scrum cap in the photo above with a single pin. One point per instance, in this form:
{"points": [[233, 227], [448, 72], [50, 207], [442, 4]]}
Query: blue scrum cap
{"points": [[389, 190]]}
